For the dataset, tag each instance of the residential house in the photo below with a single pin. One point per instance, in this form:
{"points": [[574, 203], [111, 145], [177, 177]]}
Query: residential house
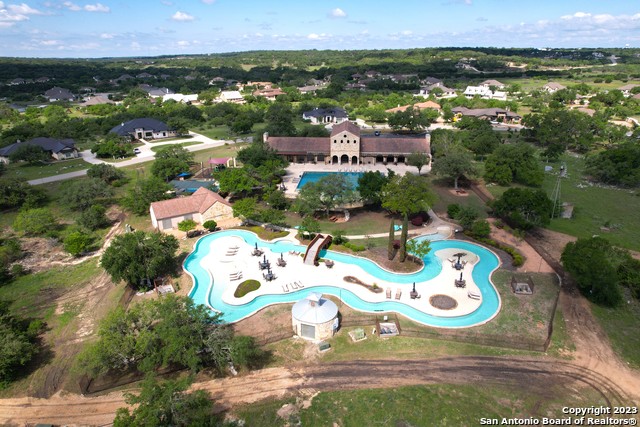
{"points": [[155, 92], [59, 94], [326, 115], [42, 79], [404, 78], [626, 89], [492, 114], [145, 76], [97, 99], [494, 83], [270, 94], [484, 92], [201, 206], [179, 97], [16, 82], [443, 91], [310, 89], [60, 149], [430, 81], [233, 96], [144, 128], [419, 106], [347, 145], [552, 87]]}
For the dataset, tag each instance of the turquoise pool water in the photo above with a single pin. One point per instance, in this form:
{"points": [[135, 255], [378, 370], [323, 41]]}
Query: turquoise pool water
{"points": [[203, 293], [308, 177]]}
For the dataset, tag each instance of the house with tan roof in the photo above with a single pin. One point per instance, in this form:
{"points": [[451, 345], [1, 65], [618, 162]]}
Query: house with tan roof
{"points": [[420, 106], [201, 206], [626, 89], [552, 87], [348, 145]]}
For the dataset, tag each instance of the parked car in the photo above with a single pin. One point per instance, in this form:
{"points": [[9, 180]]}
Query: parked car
{"points": [[136, 151]]}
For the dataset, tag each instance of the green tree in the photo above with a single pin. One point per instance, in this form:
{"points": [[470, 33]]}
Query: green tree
{"points": [[144, 192], [35, 222], [245, 352], [80, 194], [167, 404], [156, 333], [210, 225], [167, 169], [112, 146], [94, 218], [392, 237], [456, 163], [588, 262], [480, 228], [411, 119], [77, 243], [259, 153], [17, 343], [15, 193], [419, 248], [407, 195], [370, 186], [418, 160], [32, 154], [236, 180], [514, 162], [135, 256], [175, 152], [105, 172], [309, 225], [187, 225], [245, 208], [327, 193], [279, 118], [524, 208]]}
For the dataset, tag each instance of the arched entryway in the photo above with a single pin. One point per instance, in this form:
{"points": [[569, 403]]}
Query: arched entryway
{"points": [[389, 159], [379, 159], [344, 159], [354, 160], [402, 159], [334, 160]]}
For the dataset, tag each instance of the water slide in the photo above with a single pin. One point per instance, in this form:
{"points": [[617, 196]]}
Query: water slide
{"points": [[313, 249]]}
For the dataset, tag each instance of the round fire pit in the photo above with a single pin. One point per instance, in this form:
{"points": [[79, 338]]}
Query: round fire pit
{"points": [[443, 302]]}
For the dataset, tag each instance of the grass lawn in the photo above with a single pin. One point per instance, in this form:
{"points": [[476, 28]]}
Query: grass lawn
{"points": [[183, 144], [607, 211], [443, 188], [361, 222], [33, 294], [596, 207], [429, 405], [621, 325], [26, 172]]}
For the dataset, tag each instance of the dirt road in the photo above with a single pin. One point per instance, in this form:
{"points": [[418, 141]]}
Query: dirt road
{"points": [[540, 376]]}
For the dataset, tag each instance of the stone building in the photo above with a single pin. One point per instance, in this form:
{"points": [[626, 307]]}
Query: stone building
{"points": [[348, 146]]}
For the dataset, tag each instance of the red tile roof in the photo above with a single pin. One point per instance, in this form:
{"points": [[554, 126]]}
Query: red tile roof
{"points": [[299, 145], [346, 127], [395, 145], [198, 202]]}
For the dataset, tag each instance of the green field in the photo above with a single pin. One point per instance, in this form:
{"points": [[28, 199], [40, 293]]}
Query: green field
{"points": [[430, 405], [182, 144], [621, 325], [609, 212]]}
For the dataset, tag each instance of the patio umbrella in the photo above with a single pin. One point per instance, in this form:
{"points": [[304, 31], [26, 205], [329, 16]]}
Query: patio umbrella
{"points": [[459, 255], [461, 276], [282, 256], [414, 286], [256, 246], [265, 259]]}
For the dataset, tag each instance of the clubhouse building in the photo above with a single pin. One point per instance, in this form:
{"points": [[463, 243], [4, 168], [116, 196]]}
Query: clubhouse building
{"points": [[348, 146]]}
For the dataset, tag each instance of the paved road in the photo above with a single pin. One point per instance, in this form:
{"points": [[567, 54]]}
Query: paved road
{"points": [[146, 155]]}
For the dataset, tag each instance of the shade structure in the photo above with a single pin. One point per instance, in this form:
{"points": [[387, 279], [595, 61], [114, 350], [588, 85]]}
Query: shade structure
{"points": [[314, 317]]}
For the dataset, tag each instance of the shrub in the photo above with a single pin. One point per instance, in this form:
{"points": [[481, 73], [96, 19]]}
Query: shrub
{"points": [[76, 243], [453, 209], [339, 238], [354, 247], [480, 228], [417, 221], [210, 225]]}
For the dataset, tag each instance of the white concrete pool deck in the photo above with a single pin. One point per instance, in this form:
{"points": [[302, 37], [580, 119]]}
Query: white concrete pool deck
{"points": [[231, 255]]}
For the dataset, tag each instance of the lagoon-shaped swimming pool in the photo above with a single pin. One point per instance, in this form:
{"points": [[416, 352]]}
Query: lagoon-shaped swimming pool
{"points": [[210, 283]]}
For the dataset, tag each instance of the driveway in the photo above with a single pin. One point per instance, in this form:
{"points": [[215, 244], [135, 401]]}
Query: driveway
{"points": [[146, 155]]}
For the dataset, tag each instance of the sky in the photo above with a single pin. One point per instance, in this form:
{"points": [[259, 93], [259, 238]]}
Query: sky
{"points": [[121, 28]]}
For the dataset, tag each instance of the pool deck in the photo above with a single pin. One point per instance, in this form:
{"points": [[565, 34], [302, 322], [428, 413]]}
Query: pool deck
{"points": [[231, 255]]}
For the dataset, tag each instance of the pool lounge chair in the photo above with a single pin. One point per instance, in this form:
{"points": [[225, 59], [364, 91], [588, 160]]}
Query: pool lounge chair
{"points": [[300, 285], [473, 295], [398, 293], [285, 288], [388, 293]]}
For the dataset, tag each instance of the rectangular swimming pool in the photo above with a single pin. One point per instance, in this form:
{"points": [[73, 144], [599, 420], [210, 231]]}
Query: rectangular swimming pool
{"points": [[308, 177]]}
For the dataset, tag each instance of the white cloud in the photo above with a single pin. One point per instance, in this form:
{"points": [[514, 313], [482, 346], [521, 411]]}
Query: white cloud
{"points": [[166, 3], [184, 43], [98, 7], [322, 36], [107, 36], [208, 1], [337, 13], [49, 42], [182, 17], [23, 9], [14, 13], [71, 6]]}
